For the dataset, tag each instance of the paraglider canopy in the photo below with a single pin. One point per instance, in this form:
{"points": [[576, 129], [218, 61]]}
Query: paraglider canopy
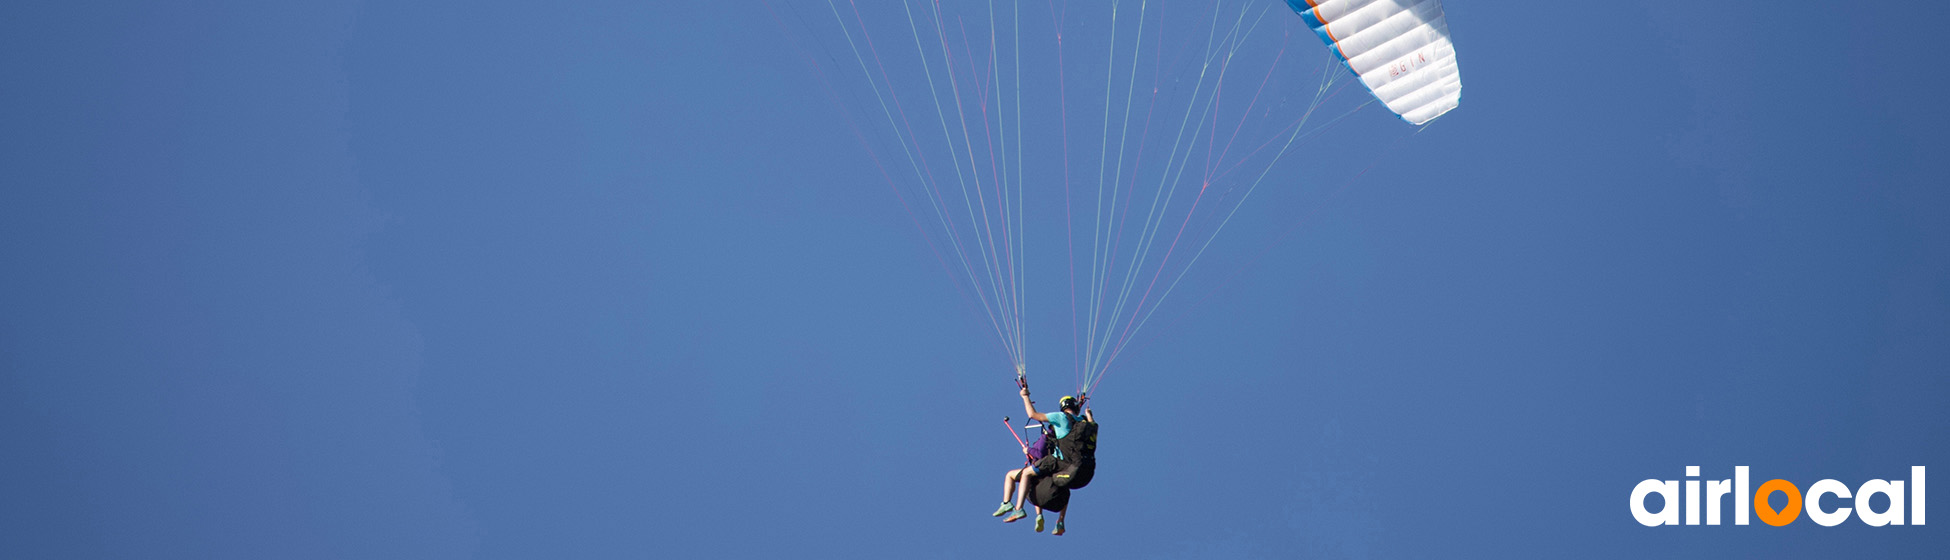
{"points": [[1399, 48]]}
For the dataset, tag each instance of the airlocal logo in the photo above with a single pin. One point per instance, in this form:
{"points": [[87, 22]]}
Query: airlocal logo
{"points": [[1716, 491]]}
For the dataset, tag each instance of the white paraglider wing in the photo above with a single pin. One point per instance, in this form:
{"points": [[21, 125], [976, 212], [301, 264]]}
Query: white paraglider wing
{"points": [[1399, 48]]}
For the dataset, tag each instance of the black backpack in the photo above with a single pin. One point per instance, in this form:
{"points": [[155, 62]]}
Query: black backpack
{"points": [[1079, 448]]}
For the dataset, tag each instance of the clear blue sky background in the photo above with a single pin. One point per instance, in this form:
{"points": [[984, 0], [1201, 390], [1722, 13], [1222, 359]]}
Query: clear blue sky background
{"points": [[612, 279]]}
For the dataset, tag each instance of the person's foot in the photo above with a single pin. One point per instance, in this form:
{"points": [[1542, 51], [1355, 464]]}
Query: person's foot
{"points": [[1039, 523], [1059, 529], [999, 512], [1014, 514]]}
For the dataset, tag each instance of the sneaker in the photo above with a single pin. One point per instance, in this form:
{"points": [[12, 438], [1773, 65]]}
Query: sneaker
{"points": [[1014, 514], [999, 512], [1039, 523], [1059, 529]]}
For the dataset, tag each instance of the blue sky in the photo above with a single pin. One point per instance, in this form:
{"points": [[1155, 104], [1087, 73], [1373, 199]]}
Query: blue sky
{"points": [[613, 279]]}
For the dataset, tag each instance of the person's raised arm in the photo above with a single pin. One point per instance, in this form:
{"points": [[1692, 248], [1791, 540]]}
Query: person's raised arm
{"points": [[1087, 415], [1029, 408]]}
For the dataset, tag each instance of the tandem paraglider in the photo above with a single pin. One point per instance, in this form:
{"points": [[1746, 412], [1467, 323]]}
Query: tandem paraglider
{"points": [[1063, 459], [1126, 133]]}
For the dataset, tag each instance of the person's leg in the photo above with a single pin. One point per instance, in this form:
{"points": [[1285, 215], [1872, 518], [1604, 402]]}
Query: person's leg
{"points": [[1023, 478], [1045, 466], [1008, 487], [1059, 521], [1022, 485]]}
